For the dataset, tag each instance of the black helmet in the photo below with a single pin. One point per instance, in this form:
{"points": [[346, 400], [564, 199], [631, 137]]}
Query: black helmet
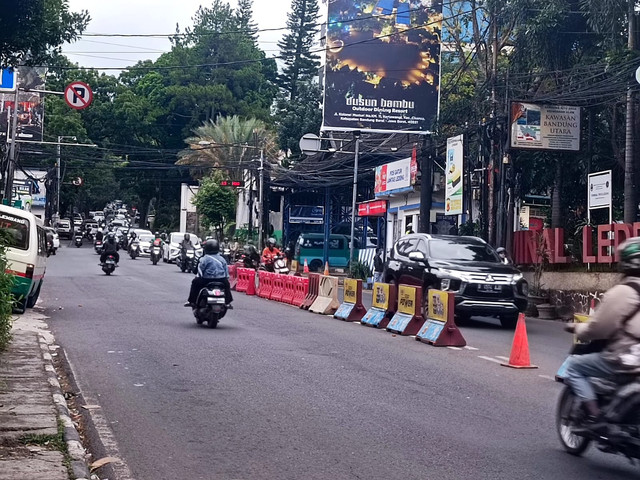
{"points": [[186, 236], [211, 247], [629, 255], [271, 242]]}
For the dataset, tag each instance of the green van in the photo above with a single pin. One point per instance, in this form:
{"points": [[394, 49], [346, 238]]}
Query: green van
{"points": [[310, 247]]}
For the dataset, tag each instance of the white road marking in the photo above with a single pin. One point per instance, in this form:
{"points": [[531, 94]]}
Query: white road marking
{"points": [[504, 359], [471, 348], [454, 348], [547, 377], [494, 360]]}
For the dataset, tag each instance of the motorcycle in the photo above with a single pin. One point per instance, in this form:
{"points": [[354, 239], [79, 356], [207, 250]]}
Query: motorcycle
{"points": [[155, 254], [250, 261], [185, 260], [50, 249], [98, 245], [78, 240], [618, 398], [210, 305], [134, 249], [277, 265], [109, 264]]}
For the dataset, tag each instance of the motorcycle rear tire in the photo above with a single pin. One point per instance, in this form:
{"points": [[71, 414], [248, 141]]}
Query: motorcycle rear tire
{"points": [[573, 444], [154, 260], [212, 322]]}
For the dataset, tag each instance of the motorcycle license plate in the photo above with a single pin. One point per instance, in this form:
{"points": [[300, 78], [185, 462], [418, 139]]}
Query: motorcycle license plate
{"points": [[215, 301], [486, 288]]}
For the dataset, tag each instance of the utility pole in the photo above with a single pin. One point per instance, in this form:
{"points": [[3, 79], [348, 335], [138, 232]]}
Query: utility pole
{"points": [[494, 101], [630, 202], [426, 186], [356, 135], [8, 181], [261, 202]]}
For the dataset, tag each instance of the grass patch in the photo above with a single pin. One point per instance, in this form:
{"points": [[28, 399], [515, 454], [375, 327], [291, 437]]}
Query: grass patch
{"points": [[51, 442]]}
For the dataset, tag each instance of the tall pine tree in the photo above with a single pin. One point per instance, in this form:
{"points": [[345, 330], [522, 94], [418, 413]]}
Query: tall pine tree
{"points": [[244, 16], [296, 47]]}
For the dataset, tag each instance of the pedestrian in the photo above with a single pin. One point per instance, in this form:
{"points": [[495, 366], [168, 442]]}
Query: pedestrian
{"points": [[378, 266]]}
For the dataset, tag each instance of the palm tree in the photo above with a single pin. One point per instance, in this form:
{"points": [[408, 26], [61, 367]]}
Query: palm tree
{"points": [[229, 143]]}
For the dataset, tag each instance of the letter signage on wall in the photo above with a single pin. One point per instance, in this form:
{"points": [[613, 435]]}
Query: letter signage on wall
{"points": [[382, 70], [454, 175], [545, 127]]}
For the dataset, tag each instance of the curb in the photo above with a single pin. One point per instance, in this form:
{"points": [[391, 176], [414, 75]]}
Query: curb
{"points": [[71, 436]]}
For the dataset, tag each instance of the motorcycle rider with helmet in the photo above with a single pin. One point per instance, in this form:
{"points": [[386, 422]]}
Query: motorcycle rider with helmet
{"points": [[270, 253], [251, 255], [110, 247], [616, 321], [212, 267]]}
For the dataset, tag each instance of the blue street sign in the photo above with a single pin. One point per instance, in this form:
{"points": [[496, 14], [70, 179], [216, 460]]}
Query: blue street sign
{"points": [[7, 80]]}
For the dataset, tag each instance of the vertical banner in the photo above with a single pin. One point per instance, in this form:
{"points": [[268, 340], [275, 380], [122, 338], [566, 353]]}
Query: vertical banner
{"points": [[30, 106], [454, 176], [382, 71]]}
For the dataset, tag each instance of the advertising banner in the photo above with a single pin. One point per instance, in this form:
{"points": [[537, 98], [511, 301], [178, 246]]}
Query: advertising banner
{"points": [[382, 71], [599, 193], [30, 107], [395, 177], [545, 127], [374, 208], [454, 176]]}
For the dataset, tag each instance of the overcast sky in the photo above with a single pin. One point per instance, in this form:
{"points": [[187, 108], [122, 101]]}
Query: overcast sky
{"points": [[152, 17]]}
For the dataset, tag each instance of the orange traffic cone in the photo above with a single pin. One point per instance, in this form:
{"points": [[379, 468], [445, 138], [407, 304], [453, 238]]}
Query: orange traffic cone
{"points": [[592, 307], [306, 267], [326, 268], [520, 349]]}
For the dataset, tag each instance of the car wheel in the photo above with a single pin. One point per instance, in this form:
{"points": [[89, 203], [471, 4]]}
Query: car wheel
{"points": [[425, 301], [20, 306], [509, 321], [315, 265], [31, 301]]}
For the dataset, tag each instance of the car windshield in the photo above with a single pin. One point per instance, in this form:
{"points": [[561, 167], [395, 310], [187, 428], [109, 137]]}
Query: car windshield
{"points": [[145, 238], [455, 250]]}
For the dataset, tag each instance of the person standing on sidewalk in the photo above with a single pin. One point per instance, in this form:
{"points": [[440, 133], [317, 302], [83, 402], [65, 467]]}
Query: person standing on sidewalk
{"points": [[378, 266]]}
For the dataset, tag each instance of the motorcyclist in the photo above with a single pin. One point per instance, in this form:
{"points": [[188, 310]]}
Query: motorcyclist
{"points": [[110, 247], [251, 255], [186, 245], [211, 267], [132, 238], [270, 253], [616, 321], [99, 235]]}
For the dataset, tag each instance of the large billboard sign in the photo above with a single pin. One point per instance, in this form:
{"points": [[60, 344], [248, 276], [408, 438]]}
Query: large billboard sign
{"points": [[395, 177], [382, 70], [455, 175], [545, 127]]}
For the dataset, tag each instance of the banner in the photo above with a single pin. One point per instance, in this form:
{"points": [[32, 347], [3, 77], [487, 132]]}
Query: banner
{"points": [[454, 175], [30, 107], [395, 177], [382, 71], [545, 127]]}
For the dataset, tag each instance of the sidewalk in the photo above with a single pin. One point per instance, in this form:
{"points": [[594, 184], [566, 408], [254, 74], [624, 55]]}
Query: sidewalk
{"points": [[32, 403]]}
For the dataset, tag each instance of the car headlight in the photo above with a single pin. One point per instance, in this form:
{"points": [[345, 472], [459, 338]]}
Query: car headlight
{"points": [[456, 274], [517, 277]]}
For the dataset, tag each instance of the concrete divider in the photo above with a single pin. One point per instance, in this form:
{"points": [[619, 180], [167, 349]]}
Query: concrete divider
{"points": [[383, 306], [352, 309], [408, 319], [327, 302], [312, 294], [440, 327], [302, 288], [289, 289]]}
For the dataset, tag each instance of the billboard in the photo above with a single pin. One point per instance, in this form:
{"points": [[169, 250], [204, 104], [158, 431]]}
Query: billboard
{"points": [[395, 177], [545, 127], [382, 71], [455, 176], [30, 107]]}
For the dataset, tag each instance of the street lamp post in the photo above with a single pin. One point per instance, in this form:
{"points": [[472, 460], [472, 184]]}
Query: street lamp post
{"points": [[356, 135]]}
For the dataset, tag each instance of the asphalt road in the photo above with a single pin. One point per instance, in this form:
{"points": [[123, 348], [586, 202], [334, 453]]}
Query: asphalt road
{"points": [[278, 393]]}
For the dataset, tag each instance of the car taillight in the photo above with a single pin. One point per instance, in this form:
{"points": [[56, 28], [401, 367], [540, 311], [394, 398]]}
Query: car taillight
{"points": [[29, 273]]}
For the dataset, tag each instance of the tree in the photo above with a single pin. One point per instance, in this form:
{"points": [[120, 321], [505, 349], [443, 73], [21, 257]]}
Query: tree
{"points": [[31, 31], [298, 116], [216, 204], [244, 16], [300, 63]]}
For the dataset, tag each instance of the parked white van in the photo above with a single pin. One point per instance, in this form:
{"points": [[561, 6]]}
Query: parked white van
{"points": [[24, 235]]}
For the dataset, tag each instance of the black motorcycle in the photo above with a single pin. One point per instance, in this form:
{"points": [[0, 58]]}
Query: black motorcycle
{"points": [[155, 253], [185, 260], [78, 240], [134, 249], [98, 245], [619, 401], [109, 264], [210, 305]]}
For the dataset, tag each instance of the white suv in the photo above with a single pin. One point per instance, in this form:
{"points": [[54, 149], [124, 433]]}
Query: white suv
{"points": [[64, 228]]}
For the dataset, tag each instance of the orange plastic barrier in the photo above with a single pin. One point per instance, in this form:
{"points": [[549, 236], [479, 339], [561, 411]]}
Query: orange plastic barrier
{"points": [[243, 280], [251, 276], [289, 289], [302, 289], [233, 276], [312, 294], [265, 286]]}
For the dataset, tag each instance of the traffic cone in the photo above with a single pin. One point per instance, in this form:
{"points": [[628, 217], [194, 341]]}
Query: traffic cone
{"points": [[520, 349], [306, 267], [326, 269], [592, 307]]}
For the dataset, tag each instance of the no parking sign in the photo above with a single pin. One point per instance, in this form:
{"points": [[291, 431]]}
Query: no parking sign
{"points": [[78, 95]]}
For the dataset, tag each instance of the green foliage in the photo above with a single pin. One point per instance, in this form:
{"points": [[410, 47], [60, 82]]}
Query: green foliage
{"points": [[359, 270], [297, 116], [216, 204], [33, 30], [6, 299]]}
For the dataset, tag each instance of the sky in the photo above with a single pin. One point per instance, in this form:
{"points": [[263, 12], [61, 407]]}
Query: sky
{"points": [[154, 17]]}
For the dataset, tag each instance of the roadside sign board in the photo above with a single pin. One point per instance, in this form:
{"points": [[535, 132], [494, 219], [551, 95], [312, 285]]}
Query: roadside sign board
{"points": [[78, 95], [599, 193], [7, 80]]}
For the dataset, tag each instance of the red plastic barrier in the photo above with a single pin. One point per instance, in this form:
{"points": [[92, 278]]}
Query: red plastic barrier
{"points": [[233, 277], [250, 275], [242, 284], [289, 289], [278, 287], [302, 288], [266, 284], [312, 293]]}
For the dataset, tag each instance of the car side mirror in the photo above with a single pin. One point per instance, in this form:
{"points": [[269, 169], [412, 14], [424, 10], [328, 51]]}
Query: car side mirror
{"points": [[417, 257]]}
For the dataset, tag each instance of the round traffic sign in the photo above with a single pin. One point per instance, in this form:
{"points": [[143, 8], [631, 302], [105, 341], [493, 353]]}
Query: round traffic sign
{"points": [[310, 144], [78, 95]]}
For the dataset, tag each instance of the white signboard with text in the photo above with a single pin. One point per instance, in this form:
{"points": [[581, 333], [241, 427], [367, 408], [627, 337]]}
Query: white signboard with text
{"points": [[599, 193], [395, 177], [545, 127]]}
